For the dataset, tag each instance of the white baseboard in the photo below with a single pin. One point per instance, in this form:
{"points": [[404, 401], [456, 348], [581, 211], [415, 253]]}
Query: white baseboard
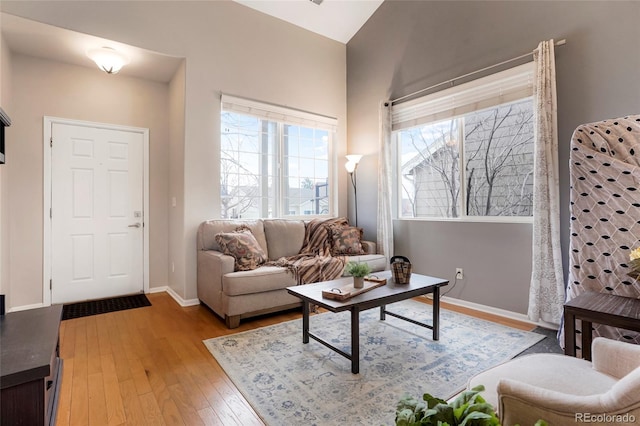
{"points": [[172, 293], [182, 302], [26, 307], [496, 311]]}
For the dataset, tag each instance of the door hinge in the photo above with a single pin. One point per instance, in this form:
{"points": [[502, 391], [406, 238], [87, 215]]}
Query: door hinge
{"points": [[50, 284], [50, 213], [51, 141]]}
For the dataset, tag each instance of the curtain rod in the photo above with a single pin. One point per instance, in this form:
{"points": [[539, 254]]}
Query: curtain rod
{"points": [[394, 101]]}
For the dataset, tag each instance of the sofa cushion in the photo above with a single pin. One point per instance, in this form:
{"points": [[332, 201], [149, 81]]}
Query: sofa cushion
{"points": [[208, 230], [244, 248], [345, 240], [284, 237], [377, 262], [265, 278]]}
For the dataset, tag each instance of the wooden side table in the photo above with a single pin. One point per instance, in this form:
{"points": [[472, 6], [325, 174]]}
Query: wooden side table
{"points": [[601, 308]]}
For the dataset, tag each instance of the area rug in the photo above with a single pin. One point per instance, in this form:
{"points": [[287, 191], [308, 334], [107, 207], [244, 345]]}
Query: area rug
{"points": [[290, 383], [102, 306]]}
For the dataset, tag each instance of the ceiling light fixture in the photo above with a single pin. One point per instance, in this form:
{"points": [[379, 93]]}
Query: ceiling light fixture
{"points": [[108, 59], [317, 2]]}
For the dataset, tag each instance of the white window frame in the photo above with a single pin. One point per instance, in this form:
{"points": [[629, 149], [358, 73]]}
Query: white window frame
{"points": [[497, 89], [284, 115]]}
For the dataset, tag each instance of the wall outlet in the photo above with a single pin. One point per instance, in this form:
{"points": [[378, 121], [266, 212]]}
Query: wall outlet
{"points": [[459, 274]]}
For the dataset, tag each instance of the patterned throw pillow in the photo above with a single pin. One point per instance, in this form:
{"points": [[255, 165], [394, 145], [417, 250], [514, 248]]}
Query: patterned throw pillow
{"points": [[346, 241], [243, 246]]}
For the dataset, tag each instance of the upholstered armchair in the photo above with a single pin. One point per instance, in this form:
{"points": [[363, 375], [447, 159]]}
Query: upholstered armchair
{"points": [[563, 390]]}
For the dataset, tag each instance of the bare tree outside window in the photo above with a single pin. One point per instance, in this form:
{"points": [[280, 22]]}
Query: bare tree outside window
{"points": [[499, 161], [239, 179], [497, 147], [272, 169], [432, 175]]}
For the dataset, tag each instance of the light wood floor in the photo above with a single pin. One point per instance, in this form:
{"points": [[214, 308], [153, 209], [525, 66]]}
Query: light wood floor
{"points": [[149, 366]]}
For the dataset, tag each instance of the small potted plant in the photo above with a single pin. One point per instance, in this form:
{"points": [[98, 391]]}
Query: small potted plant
{"points": [[358, 271]]}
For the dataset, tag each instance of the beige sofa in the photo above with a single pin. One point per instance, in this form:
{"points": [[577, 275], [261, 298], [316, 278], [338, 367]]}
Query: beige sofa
{"points": [[235, 295]]}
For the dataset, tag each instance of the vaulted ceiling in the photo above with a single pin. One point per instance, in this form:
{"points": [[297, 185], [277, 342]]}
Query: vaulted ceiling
{"points": [[336, 19]]}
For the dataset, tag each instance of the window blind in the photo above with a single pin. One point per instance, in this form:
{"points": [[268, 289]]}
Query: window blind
{"points": [[486, 92], [277, 113]]}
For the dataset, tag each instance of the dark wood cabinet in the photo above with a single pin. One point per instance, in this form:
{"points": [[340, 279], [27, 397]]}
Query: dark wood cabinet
{"points": [[30, 366]]}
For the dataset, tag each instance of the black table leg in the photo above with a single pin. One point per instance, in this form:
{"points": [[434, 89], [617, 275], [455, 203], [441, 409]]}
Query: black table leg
{"points": [[587, 338], [355, 340], [569, 333], [382, 313], [436, 313], [305, 321]]}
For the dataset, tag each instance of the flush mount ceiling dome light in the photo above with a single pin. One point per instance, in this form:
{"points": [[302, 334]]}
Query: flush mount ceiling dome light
{"points": [[108, 59]]}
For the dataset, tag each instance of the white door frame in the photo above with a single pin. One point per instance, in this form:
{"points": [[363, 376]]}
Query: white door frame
{"points": [[46, 219]]}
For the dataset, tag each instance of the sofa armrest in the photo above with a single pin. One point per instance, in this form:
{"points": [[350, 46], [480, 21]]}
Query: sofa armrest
{"points": [[212, 265], [613, 357], [369, 247]]}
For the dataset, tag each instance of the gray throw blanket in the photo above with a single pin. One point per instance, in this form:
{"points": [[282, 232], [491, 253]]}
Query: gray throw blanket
{"points": [[314, 262]]}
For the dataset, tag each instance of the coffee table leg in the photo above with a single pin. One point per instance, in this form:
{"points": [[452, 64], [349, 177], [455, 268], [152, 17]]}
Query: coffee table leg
{"points": [[436, 313], [305, 322], [355, 340], [382, 314]]}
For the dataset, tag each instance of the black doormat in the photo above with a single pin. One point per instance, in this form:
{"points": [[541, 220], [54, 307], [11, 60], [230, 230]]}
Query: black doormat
{"points": [[102, 306]]}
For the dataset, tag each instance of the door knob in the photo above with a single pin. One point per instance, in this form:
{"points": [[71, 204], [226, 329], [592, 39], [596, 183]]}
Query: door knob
{"points": [[135, 225]]}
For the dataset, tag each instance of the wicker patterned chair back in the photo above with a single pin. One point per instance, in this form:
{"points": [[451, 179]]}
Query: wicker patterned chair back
{"points": [[605, 211]]}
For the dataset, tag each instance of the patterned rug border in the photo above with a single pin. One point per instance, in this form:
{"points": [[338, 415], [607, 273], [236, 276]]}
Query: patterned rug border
{"points": [[256, 382]]}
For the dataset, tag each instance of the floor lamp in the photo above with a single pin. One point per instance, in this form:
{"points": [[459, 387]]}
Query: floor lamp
{"points": [[351, 166]]}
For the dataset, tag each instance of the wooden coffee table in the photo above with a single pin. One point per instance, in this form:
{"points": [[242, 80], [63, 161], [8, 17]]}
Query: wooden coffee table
{"points": [[378, 297]]}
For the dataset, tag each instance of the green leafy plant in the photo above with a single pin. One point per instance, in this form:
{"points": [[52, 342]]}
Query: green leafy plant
{"points": [[468, 409], [357, 269]]}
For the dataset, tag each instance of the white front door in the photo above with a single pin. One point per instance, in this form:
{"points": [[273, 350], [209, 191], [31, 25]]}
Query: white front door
{"points": [[97, 193]]}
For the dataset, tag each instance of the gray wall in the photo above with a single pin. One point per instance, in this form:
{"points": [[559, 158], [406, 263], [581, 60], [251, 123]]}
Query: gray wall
{"points": [[7, 104], [73, 92], [408, 45], [228, 48]]}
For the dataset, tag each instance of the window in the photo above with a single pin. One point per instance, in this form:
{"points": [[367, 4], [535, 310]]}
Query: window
{"points": [[274, 162], [467, 152]]}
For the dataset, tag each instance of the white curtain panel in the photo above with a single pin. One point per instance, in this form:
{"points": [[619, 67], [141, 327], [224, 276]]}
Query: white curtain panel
{"points": [[385, 219], [546, 294]]}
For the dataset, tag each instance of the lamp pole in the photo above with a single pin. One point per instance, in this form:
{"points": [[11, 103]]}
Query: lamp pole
{"points": [[352, 166], [355, 193]]}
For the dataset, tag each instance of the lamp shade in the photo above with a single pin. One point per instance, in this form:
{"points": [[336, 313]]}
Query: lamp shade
{"points": [[108, 59], [354, 158], [350, 166]]}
